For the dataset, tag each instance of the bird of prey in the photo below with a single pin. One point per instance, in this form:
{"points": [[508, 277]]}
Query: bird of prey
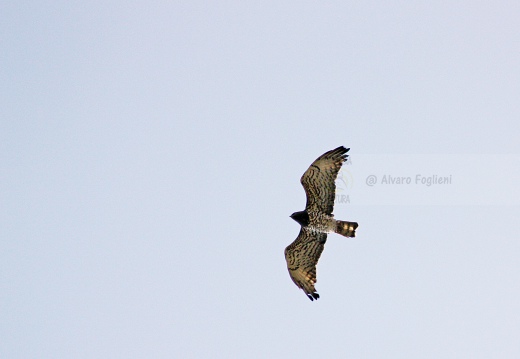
{"points": [[316, 220]]}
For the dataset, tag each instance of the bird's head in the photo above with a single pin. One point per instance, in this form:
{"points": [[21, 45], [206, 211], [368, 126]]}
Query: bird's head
{"points": [[301, 217]]}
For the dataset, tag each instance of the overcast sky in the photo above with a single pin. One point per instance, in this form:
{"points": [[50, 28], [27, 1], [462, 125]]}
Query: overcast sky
{"points": [[151, 153]]}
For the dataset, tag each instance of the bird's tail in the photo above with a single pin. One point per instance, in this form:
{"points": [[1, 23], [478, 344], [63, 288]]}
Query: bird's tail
{"points": [[347, 229]]}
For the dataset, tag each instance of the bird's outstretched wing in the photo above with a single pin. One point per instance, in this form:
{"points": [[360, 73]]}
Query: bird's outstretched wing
{"points": [[319, 180], [302, 255]]}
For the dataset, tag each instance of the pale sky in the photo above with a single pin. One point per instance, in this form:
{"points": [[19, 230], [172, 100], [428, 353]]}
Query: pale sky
{"points": [[151, 154]]}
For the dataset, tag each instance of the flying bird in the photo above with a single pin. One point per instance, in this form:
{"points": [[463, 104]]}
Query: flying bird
{"points": [[316, 220]]}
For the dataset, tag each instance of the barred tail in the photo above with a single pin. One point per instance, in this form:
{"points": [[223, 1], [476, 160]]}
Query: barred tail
{"points": [[347, 229]]}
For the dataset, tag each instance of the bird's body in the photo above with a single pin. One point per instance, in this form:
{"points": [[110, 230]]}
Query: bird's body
{"points": [[316, 220]]}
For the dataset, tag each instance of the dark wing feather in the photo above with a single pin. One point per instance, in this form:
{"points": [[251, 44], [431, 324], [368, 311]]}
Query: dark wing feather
{"points": [[319, 180], [302, 255]]}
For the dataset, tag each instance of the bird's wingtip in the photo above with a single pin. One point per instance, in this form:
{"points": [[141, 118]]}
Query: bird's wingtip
{"points": [[313, 296]]}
